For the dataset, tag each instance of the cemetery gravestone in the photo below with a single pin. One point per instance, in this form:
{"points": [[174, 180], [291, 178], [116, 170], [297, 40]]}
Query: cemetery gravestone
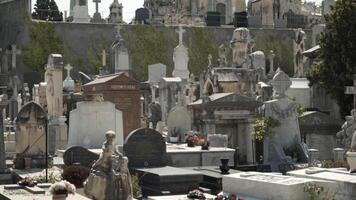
{"points": [[178, 122], [90, 120], [156, 72], [79, 155], [181, 58], [81, 13], [30, 135], [145, 148], [217, 140]]}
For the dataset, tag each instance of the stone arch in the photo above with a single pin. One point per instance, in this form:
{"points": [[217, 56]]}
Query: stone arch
{"points": [[208, 87]]}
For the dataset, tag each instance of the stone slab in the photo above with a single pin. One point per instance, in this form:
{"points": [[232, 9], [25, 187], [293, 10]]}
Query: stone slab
{"points": [[340, 178], [268, 185], [180, 155], [178, 197], [168, 180]]}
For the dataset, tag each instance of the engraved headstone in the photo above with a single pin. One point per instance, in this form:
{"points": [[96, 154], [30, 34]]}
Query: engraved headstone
{"points": [[181, 57], [79, 155], [145, 148]]}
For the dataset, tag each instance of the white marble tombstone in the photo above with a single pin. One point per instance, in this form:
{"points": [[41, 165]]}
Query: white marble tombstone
{"points": [[54, 89], [91, 120], [81, 12], [156, 72], [179, 122], [181, 58], [121, 54]]}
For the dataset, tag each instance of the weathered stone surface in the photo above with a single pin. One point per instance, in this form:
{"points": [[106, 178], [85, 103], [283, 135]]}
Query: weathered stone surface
{"points": [[145, 148], [91, 120], [31, 130]]}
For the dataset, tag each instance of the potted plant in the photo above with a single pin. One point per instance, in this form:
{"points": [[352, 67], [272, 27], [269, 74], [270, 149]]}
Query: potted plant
{"points": [[60, 190]]}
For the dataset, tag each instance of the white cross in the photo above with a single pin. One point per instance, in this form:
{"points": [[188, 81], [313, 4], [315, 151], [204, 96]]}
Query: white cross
{"points": [[13, 53], [352, 90], [97, 5], [181, 31], [68, 68]]}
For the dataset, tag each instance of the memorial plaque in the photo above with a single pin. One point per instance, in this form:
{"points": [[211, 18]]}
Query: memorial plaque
{"points": [[145, 148]]}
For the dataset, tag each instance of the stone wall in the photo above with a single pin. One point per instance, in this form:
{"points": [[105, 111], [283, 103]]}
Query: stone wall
{"points": [[83, 43]]}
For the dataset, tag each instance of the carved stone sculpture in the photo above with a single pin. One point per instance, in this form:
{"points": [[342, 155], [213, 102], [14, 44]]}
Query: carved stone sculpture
{"points": [[110, 177]]}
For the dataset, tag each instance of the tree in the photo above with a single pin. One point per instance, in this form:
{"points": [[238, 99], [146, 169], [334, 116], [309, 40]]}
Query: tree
{"points": [[47, 10], [337, 54]]}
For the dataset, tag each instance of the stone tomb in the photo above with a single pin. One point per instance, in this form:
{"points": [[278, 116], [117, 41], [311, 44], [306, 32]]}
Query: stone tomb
{"points": [[30, 136], [91, 120], [124, 92], [39, 192], [340, 178], [146, 151], [269, 185]]}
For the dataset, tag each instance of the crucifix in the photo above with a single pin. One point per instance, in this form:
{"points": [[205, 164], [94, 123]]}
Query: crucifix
{"points": [[14, 51], [352, 90], [97, 5], [68, 67], [181, 31]]}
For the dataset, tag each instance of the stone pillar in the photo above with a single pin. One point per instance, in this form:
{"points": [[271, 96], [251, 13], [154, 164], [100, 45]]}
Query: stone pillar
{"points": [[338, 154], [245, 141], [5, 174]]}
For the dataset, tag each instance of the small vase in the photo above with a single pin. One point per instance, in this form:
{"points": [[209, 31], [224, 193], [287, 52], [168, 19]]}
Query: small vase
{"points": [[59, 197]]}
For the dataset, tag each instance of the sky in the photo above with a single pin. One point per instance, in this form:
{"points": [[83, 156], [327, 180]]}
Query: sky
{"points": [[129, 7]]}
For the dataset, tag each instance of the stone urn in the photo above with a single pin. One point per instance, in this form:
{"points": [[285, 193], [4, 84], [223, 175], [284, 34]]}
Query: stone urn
{"points": [[351, 154]]}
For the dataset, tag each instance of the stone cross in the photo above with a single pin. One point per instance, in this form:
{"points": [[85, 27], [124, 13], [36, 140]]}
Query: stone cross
{"points": [[97, 5], [13, 53], [352, 90], [181, 31], [68, 68]]}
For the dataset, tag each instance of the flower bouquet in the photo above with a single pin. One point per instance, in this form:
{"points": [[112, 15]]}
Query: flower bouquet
{"points": [[60, 190]]}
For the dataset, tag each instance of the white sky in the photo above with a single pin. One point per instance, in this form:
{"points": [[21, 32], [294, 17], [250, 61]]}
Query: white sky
{"points": [[129, 7]]}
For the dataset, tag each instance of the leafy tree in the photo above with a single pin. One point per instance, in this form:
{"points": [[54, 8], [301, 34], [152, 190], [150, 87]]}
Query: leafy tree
{"points": [[337, 54], [47, 10]]}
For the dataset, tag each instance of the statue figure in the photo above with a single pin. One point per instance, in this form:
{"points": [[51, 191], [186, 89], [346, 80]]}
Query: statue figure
{"points": [[156, 114], [240, 45], [110, 177]]}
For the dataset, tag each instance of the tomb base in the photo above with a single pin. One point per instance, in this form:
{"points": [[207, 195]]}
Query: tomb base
{"points": [[351, 159]]}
